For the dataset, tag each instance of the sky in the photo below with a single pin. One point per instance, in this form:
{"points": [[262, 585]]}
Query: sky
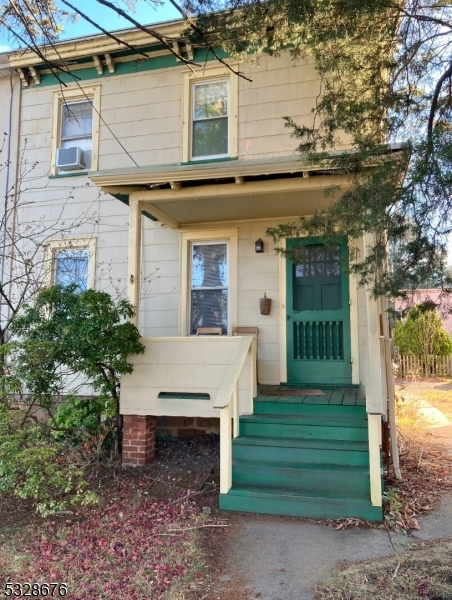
{"points": [[145, 12]]}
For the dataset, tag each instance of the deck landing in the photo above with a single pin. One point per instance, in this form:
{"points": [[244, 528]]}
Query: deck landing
{"points": [[333, 395]]}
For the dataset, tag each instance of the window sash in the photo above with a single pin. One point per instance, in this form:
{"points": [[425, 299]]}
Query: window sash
{"points": [[195, 290], [219, 117], [85, 137], [79, 270]]}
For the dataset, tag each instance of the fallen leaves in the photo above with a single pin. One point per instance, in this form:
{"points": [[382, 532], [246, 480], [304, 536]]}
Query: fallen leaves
{"points": [[426, 468], [123, 550]]}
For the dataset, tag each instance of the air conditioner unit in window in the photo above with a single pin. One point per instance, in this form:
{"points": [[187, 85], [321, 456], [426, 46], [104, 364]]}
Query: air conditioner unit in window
{"points": [[70, 159]]}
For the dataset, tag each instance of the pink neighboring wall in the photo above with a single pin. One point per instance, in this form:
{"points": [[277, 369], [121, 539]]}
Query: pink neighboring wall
{"points": [[422, 296]]}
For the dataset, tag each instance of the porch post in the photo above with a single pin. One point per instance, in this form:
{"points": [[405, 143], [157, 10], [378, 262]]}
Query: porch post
{"points": [[374, 389], [374, 425], [134, 257], [374, 384]]}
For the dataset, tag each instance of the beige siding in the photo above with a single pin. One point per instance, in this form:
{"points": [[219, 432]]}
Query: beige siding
{"points": [[143, 111], [257, 274]]}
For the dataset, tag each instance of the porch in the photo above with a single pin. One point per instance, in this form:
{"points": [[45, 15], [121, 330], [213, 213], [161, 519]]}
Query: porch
{"points": [[297, 450], [322, 330]]}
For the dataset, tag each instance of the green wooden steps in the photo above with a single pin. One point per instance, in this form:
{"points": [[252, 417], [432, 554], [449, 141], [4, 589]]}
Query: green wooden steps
{"points": [[308, 451], [294, 504], [297, 427], [301, 459]]}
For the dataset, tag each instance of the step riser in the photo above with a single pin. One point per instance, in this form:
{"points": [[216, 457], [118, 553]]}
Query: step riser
{"points": [[264, 407], [297, 431], [313, 509], [318, 456], [329, 484]]}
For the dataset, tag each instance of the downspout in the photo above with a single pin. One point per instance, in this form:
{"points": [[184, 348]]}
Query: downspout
{"points": [[8, 178], [6, 186]]}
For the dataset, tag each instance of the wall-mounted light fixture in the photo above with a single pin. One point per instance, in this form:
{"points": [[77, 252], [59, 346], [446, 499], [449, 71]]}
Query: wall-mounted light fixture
{"points": [[258, 246]]}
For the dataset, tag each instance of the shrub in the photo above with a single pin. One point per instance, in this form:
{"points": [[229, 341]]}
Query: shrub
{"points": [[34, 465], [422, 334]]}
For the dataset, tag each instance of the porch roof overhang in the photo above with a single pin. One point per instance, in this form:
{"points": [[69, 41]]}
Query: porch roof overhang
{"points": [[244, 189]]}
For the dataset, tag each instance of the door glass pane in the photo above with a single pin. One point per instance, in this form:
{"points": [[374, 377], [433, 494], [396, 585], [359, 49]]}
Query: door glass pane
{"points": [[334, 253], [333, 269], [210, 138], [317, 261], [317, 253], [209, 308], [77, 119], [210, 100], [209, 265], [302, 270], [71, 266], [318, 269]]}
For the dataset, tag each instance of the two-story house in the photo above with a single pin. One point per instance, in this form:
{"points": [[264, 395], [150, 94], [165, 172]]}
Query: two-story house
{"points": [[184, 170]]}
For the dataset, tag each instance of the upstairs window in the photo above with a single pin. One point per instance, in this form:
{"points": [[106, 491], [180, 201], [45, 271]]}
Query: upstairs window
{"points": [[210, 133], [77, 130], [210, 98], [209, 286]]}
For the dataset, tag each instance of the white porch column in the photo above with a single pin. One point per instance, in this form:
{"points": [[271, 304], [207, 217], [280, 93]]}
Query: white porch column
{"points": [[134, 257], [374, 389]]}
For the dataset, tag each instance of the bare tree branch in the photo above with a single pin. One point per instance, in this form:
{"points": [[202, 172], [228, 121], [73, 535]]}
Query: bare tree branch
{"points": [[209, 46], [434, 104]]}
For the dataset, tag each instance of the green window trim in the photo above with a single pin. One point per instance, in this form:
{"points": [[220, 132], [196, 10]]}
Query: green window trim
{"points": [[75, 174], [208, 160]]}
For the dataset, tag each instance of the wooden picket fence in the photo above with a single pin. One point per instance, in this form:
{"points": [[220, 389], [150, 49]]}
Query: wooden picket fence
{"points": [[413, 367]]}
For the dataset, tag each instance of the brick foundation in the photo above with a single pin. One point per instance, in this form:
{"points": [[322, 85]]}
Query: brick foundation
{"points": [[138, 442]]}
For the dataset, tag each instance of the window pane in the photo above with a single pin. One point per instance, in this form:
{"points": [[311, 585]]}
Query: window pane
{"points": [[317, 253], [317, 269], [209, 308], [209, 265], [210, 138], [333, 269], [71, 266], [302, 270], [210, 100], [334, 253], [301, 254], [77, 119]]}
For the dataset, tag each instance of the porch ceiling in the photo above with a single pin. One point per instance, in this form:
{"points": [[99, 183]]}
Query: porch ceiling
{"points": [[242, 205], [243, 189]]}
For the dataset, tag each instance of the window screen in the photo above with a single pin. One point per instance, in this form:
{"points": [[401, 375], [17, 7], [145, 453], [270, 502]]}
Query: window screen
{"points": [[210, 119], [77, 127], [71, 266], [209, 286], [318, 261]]}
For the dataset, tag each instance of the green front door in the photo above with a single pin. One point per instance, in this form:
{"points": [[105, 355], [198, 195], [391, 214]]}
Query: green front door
{"points": [[318, 314]]}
